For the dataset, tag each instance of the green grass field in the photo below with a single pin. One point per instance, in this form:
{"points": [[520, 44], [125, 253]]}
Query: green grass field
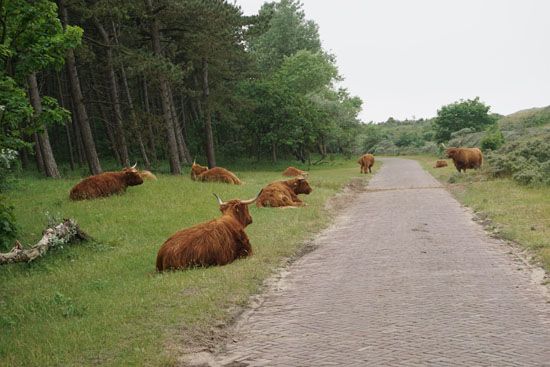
{"points": [[101, 302], [520, 213]]}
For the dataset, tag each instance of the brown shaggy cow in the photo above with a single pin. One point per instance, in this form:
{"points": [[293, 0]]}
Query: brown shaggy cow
{"points": [[106, 184], [440, 163], [284, 193], [465, 158], [293, 172], [216, 174], [217, 242], [366, 161]]}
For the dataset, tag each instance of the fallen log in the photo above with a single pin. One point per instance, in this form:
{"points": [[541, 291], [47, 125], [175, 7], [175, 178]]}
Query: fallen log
{"points": [[59, 235]]}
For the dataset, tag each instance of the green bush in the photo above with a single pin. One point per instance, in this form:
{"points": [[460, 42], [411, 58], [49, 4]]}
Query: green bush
{"points": [[493, 138], [8, 229], [527, 162]]}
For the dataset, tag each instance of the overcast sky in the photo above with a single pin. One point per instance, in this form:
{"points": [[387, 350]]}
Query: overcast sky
{"points": [[407, 58]]}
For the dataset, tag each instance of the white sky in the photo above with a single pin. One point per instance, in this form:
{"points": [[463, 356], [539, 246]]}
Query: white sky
{"points": [[407, 58]]}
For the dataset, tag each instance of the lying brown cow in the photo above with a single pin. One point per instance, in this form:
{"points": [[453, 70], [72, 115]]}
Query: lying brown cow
{"points": [[217, 242], [106, 184], [366, 161], [284, 193], [216, 174], [465, 158], [440, 163], [293, 172]]}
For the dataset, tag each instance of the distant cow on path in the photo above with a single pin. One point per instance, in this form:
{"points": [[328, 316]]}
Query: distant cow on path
{"points": [[217, 242], [106, 184], [284, 193], [216, 174], [440, 163], [366, 161], [465, 158], [293, 172]]}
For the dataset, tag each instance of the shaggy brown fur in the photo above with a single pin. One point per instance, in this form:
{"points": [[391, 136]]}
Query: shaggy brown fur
{"points": [[465, 158], [293, 172], [366, 161], [216, 174], [284, 193], [440, 163], [217, 242], [147, 175], [105, 184]]}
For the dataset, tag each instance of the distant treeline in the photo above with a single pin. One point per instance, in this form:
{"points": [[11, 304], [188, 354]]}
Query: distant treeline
{"points": [[166, 81]]}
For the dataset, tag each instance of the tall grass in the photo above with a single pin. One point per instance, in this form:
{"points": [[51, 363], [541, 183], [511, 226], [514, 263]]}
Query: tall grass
{"points": [[101, 302]]}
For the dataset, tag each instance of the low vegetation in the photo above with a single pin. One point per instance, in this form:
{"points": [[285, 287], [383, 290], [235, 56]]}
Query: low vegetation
{"points": [[101, 302], [516, 212]]}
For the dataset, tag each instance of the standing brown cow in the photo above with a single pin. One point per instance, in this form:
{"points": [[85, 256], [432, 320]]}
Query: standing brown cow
{"points": [[216, 174], [284, 193], [217, 242], [293, 172], [366, 161], [465, 158], [106, 184]]}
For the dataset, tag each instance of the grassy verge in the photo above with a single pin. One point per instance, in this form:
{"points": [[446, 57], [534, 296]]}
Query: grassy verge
{"points": [[520, 213], [101, 302]]}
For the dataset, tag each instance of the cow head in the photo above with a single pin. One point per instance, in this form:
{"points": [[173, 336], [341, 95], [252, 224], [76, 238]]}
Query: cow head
{"points": [[238, 209], [451, 152], [197, 169], [300, 186], [132, 176]]}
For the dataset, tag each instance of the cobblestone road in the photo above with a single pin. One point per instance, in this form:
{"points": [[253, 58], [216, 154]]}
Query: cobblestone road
{"points": [[403, 278]]}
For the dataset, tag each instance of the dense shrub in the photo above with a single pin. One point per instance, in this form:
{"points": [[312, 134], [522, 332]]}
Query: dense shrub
{"points": [[493, 138], [8, 229], [527, 162]]}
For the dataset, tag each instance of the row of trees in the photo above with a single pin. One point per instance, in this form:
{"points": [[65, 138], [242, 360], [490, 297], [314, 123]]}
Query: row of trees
{"points": [[83, 81]]}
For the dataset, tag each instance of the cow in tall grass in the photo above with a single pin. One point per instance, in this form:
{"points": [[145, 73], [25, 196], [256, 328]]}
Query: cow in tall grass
{"points": [[465, 158], [284, 193], [293, 172], [216, 174], [106, 184], [440, 163], [366, 161], [217, 242]]}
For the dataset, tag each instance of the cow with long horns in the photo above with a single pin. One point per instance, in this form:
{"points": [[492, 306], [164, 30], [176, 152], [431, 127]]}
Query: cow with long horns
{"points": [[284, 193], [464, 158], [216, 174], [366, 161], [106, 184], [217, 242]]}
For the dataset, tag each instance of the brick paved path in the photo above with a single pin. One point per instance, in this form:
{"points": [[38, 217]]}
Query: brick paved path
{"points": [[403, 278]]}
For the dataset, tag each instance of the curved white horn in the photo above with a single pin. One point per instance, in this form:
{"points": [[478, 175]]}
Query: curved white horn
{"points": [[250, 201], [443, 146], [134, 166], [220, 201]]}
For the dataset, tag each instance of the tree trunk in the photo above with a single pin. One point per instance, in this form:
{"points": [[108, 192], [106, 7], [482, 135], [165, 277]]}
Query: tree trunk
{"points": [[273, 151], [38, 154], [50, 166], [207, 116], [115, 101], [59, 235], [151, 134], [183, 151], [165, 97], [78, 99], [135, 126], [67, 130]]}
